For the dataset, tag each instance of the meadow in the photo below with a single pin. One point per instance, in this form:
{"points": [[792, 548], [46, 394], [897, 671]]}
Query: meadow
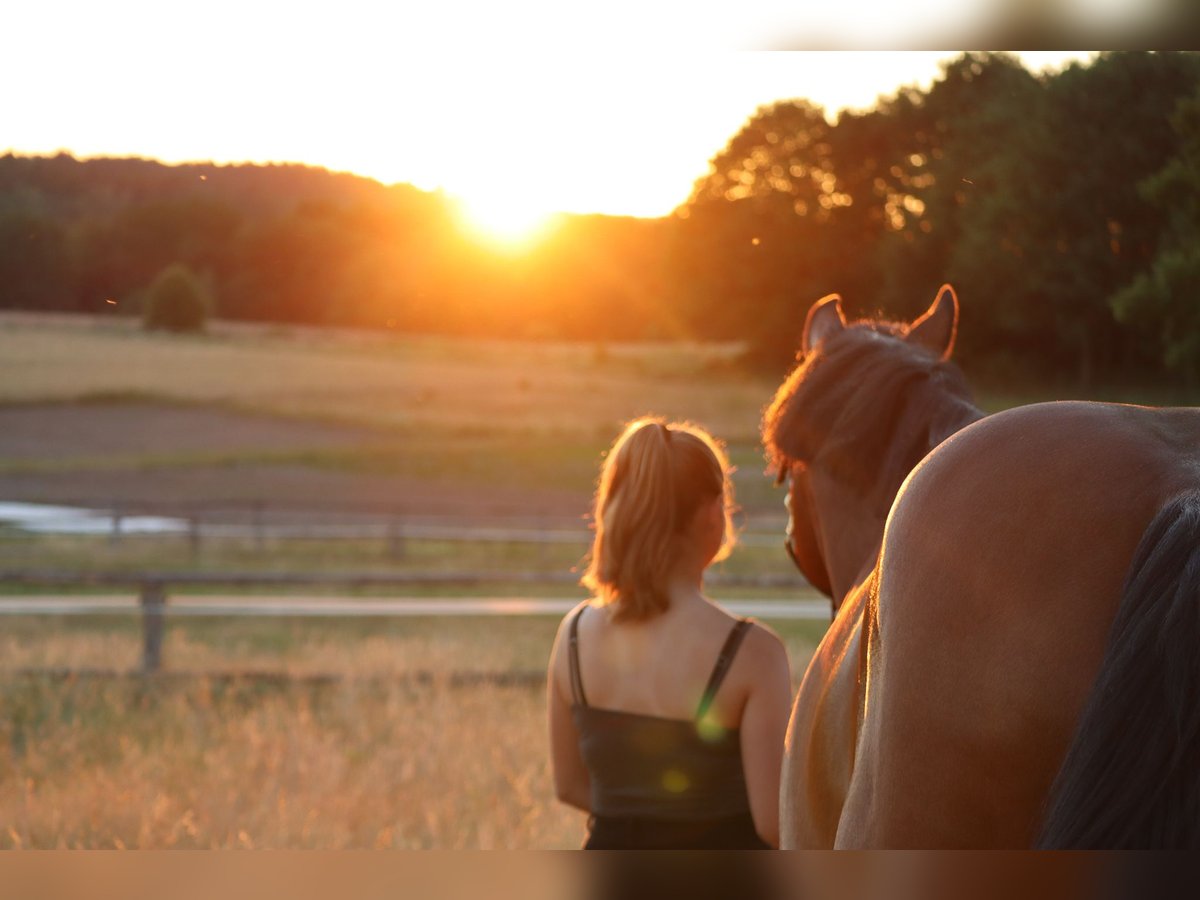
{"points": [[360, 418], [396, 384], [297, 732], [399, 750], [317, 732]]}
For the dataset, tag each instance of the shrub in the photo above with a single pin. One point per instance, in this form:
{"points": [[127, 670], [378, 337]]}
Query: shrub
{"points": [[176, 301]]}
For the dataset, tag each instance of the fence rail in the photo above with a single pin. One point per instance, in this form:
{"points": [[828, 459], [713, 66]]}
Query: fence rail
{"points": [[259, 522], [152, 597]]}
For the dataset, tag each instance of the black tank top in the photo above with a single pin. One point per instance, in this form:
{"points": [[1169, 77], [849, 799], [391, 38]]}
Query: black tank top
{"points": [[656, 767]]}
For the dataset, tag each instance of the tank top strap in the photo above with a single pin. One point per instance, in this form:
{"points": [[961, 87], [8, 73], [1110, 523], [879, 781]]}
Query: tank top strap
{"points": [[728, 652], [577, 694]]}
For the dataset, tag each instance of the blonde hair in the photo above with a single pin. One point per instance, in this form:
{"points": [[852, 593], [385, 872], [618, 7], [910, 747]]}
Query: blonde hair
{"points": [[655, 478]]}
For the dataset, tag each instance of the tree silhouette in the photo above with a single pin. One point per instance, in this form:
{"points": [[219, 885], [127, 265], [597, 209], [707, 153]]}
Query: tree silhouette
{"points": [[1165, 298]]}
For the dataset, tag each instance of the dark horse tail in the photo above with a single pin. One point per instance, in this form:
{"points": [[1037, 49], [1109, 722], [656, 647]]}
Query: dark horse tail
{"points": [[1131, 779]]}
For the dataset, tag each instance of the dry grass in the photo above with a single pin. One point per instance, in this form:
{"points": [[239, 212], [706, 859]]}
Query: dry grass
{"points": [[433, 413], [376, 760], [373, 761], [560, 562], [121, 764], [381, 379], [354, 648]]}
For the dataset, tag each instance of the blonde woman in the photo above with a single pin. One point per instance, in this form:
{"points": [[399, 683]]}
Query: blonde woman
{"points": [[667, 714]]}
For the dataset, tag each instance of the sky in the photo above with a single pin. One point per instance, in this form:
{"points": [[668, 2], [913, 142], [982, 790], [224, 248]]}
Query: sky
{"points": [[474, 99]]}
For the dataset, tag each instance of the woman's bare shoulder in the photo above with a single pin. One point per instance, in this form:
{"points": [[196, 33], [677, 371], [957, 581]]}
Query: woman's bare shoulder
{"points": [[576, 610], [558, 653], [763, 649]]}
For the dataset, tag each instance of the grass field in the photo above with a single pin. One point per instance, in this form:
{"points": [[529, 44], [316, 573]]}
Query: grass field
{"points": [[389, 753], [377, 759], [562, 563], [257, 413], [253, 412], [104, 764], [369, 741], [390, 382]]}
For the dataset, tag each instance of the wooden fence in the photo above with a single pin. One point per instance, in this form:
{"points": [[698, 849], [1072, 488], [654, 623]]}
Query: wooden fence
{"points": [[257, 522], [153, 589]]}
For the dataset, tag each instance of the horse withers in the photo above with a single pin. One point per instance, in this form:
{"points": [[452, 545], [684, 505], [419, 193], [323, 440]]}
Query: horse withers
{"points": [[1014, 658]]}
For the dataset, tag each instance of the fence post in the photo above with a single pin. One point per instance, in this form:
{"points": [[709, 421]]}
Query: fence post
{"points": [[114, 536], [153, 600], [194, 534], [258, 525], [395, 538]]}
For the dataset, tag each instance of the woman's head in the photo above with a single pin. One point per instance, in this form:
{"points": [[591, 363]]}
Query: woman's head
{"points": [[664, 498]]}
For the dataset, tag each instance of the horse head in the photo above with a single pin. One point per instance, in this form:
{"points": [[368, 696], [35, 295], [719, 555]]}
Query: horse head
{"points": [[865, 403]]}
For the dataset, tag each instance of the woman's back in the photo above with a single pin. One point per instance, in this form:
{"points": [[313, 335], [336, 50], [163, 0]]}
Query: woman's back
{"points": [[661, 666], [666, 714], [657, 707]]}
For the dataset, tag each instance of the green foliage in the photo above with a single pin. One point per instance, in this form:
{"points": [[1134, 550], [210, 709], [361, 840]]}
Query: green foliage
{"points": [[795, 208], [1021, 190], [1165, 298], [176, 301], [1058, 224], [32, 247]]}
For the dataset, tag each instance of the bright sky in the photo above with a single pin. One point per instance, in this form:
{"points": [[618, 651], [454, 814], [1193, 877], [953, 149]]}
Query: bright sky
{"points": [[473, 98]]}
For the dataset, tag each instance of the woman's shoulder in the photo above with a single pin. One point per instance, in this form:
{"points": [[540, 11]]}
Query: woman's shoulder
{"points": [[565, 624], [761, 632], [559, 665], [574, 611], [762, 649], [757, 635]]}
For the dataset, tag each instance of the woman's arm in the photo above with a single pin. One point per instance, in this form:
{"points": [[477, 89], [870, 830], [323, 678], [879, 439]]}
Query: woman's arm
{"points": [[764, 723], [572, 785]]}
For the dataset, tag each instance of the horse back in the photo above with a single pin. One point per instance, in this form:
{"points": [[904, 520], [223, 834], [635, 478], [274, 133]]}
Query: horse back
{"points": [[1000, 575]]}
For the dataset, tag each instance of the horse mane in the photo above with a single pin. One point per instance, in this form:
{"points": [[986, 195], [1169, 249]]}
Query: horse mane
{"points": [[866, 406]]}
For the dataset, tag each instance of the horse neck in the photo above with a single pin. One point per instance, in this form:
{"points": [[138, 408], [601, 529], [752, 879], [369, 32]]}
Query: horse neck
{"points": [[852, 522], [851, 533]]}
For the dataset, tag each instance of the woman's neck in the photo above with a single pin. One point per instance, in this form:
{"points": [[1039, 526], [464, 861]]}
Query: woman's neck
{"points": [[686, 585]]}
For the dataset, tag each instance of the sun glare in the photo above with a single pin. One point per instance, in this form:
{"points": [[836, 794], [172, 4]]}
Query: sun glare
{"points": [[506, 221]]}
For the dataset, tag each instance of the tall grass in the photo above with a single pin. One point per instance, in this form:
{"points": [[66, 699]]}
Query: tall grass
{"points": [[129, 764], [375, 759]]}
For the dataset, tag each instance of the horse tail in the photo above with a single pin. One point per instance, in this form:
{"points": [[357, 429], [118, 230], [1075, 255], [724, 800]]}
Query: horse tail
{"points": [[1131, 778]]}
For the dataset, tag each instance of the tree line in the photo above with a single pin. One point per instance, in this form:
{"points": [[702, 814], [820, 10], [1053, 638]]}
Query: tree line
{"points": [[1063, 207]]}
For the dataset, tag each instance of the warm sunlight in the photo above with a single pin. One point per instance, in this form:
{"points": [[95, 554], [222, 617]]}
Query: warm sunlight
{"points": [[516, 135], [508, 221]]}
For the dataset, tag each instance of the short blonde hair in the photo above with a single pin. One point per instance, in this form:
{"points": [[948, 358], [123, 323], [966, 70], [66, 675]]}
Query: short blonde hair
{"points": [[653, 481]]}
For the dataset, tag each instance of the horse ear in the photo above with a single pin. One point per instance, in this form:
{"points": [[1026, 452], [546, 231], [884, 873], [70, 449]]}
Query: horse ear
{"points": [[825, 318], [937, 328]]}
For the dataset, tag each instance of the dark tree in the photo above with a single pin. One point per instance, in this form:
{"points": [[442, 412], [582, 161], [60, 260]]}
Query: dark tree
{"points": [[176, 301], [1164, 299]]}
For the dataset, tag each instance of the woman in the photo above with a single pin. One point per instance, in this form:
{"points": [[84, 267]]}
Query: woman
{"points": [[667, 714]]}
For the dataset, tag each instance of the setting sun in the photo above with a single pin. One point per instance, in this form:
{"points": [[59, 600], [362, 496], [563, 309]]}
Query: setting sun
{"points": [[506, 220]]}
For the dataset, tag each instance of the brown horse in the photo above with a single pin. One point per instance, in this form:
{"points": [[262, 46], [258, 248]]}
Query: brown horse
{"points": [[1015, 653]]}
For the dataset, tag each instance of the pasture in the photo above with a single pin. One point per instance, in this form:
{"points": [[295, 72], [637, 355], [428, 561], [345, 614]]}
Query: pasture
{"points": [[97, 411], [374, 738], [319, 733], [295, 732]]}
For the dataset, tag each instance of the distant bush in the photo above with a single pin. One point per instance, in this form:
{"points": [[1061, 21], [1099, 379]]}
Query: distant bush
{"points": [[176, 301]]}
